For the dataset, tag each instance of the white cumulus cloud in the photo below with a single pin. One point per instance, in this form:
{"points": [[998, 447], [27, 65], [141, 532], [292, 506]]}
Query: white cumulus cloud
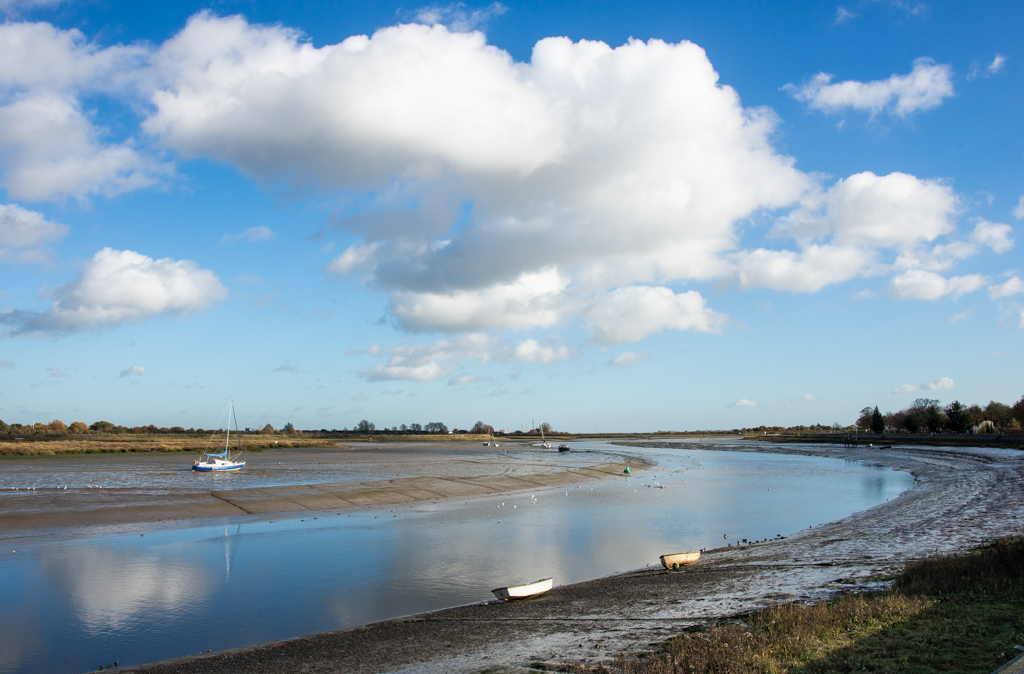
{"points": [[49, 146], [532, 300], [1013, 286], [743, 402], [994, 235], [136, 370], [588, 167], [24, 234], [919, 284], [868, 209], [925, 87], [630, 314], [532, 351], [122, 286]]}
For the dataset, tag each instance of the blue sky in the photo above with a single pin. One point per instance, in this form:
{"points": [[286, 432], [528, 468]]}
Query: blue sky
{"points": [[607, 216]]}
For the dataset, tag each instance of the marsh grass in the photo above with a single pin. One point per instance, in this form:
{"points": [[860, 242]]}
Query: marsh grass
{"points": [[130, 442], [949, 613], [120, 444]]}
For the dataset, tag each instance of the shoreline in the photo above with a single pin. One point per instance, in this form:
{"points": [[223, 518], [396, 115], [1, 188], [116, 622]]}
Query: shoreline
{"points": [[961, 498]]}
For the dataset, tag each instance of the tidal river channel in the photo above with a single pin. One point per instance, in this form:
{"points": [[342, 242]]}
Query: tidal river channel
{"points": [[72, 604]]}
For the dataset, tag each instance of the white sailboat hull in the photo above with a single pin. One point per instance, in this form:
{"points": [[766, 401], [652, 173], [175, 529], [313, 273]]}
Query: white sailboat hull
{"points": [[223, 462], [523, 591], [217, 465]]}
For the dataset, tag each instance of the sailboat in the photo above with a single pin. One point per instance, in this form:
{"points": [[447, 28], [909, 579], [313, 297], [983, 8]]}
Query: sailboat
{"points": [[223, 461], [543, 443]]}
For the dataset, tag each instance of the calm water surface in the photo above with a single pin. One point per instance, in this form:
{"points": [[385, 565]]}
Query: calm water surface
{"points": [[72, 605]]}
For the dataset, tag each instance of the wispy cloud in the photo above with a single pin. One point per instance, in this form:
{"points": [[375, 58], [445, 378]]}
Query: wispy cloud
{"points": [[252, 235], [977, 70], [743, 402], [136, 370], [458, 18], [627, 358], [287, 366], [843, 15], [940, 384], [962, 316]]}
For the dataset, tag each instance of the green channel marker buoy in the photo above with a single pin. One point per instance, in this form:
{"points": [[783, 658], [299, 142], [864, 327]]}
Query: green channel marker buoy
{"points": [[626, 471]]}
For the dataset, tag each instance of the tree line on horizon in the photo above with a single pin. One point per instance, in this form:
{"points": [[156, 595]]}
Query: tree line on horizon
{"points": [[927, 415], [59, 428]]}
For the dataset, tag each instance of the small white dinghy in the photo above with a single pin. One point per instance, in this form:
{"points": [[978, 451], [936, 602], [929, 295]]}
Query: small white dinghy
{"points": [[678, 559], [523, 591]]}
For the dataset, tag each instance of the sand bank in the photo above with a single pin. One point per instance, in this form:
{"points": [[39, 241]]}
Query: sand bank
{"points": [[962, 498]]}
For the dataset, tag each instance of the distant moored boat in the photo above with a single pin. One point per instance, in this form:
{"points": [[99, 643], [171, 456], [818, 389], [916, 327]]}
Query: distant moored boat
{"points": [[223, 462]]}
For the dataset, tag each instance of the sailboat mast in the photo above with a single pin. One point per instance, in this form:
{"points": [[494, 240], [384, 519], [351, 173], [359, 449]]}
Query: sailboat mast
{"points": [[227, 441]]}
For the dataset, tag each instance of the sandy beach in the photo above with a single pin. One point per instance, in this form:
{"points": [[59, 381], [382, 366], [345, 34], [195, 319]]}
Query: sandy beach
{"points": [[962, 498]]}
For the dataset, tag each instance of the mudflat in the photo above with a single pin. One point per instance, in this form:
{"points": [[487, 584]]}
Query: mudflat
{"points": [[64, 495], [963, 497]]}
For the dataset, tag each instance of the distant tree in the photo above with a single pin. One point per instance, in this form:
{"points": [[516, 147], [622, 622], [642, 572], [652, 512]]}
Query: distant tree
{"points": [[894, 420], [102, 427], [977, 414], [958, 418], [268, 429], [998, 413], [877, 422], [437, 427], [176, 429], [289, 428], [864, 419], [546, 427], [480, 428], [403, 428], [365, 426], [416, 428], [4, 428], [1018, 411], [923, 413], [57, 427]]}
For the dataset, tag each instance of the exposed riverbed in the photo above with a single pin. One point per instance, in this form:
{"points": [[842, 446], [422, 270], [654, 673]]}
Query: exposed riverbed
{"points": [[178, 590]]}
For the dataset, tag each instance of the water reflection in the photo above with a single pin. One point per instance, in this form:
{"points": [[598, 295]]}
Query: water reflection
{"points": [[110, 588], [137, 599]]}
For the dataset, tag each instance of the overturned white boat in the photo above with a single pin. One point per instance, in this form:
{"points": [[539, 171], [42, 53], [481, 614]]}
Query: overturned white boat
{"points": [[523, 591], [674, 561], [223, 462]]}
